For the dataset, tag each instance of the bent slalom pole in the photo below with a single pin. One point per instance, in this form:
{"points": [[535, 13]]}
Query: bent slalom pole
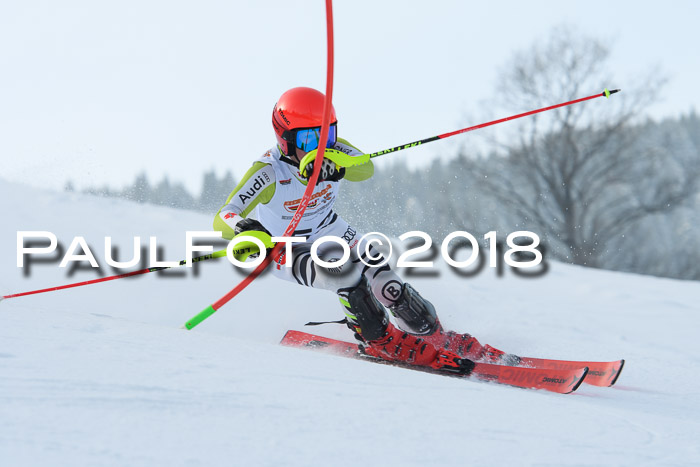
{"points": [[216, 254], [605, 93], [311, 184]]}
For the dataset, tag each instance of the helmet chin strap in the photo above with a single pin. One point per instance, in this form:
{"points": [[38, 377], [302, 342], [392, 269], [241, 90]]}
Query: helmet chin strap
{"points": [[285, 159]]}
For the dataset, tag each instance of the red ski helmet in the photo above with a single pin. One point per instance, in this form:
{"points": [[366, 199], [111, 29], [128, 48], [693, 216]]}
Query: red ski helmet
{"points": [[300, 109]]}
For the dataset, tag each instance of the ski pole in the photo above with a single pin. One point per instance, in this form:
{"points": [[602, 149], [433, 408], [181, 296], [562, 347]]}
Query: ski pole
{"points": [[216, 254], [211, 309], [605, 93]]}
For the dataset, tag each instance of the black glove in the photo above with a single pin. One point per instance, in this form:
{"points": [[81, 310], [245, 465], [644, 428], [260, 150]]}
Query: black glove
{"points": [[329, 171], [245, 225]]}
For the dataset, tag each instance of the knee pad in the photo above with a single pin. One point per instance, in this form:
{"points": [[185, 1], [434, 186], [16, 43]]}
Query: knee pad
{"points": [[414, 313]]}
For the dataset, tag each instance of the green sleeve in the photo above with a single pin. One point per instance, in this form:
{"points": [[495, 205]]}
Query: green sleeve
{"points": [[358, 173], [263, 197], [227, 233]]}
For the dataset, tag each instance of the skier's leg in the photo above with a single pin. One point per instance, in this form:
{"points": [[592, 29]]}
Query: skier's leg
{"points": [[361, 304], [302, 269], [365, 315], [418, 315], [369, 319], [412, 312]]}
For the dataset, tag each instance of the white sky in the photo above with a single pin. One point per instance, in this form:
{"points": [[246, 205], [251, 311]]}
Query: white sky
{"points": [[96, 92]]}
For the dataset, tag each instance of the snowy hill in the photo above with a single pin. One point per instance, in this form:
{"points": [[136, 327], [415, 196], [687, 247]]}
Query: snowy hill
{"points": [[101, 375]]}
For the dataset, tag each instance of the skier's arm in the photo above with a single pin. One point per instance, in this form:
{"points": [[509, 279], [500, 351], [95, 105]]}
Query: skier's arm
{"points": [[358, 173], [257, 186], [342, 161]]}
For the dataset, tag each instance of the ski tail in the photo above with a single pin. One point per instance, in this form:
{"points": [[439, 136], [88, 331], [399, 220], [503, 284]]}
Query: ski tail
{"points": [[325, 344]]}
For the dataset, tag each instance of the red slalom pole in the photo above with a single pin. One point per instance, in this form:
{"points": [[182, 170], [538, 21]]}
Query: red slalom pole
{"points": [[605, 93], [216, 254], [211, 309]]}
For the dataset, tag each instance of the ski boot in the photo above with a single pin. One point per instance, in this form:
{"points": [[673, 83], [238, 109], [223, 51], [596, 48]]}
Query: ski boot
{"points": [[397, 345], [379, 338], [414, 312], [418, 314], [467, 346], [464, 344], [493, 355]]}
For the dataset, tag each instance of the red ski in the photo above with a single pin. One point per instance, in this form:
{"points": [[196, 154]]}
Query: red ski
{"points": [[599, 373], [562, 381]]}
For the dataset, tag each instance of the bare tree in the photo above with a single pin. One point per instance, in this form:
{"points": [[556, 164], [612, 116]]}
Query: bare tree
{"points": [[580, 175]]}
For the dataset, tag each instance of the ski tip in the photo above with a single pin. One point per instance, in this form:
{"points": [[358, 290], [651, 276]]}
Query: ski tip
{"points": [[619, 370], [580, 381]]}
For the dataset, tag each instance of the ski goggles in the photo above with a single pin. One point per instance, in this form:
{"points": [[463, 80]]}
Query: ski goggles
{"points": [[307, 139]]}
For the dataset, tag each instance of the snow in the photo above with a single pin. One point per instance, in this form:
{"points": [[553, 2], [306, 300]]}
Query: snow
{"points": [[102, 374]]}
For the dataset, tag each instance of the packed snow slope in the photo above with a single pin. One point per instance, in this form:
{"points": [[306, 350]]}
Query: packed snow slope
{"points": [[102, 374]]}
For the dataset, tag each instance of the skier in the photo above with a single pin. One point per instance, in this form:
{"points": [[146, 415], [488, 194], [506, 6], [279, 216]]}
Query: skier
{"points": [[265, 200]]}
